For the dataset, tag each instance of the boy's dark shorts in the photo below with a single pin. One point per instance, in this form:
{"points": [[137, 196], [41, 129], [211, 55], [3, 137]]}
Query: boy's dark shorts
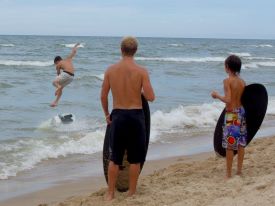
{"points": [[127, 133]]}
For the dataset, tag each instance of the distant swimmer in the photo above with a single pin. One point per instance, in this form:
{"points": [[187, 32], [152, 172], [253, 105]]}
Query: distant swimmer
{"points": [[66, 76]]}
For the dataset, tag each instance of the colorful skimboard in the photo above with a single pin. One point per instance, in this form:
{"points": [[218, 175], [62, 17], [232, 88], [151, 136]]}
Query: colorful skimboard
{"points": [[254, 100], [122, 184]]}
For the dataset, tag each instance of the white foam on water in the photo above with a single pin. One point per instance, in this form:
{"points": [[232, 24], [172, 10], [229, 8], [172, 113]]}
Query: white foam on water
{"points": [[197, 116], [7, 45], [260, 58], [82, 45], [55, 124], [263, 45], [241, 54], [32, 151], [99, 77], [25, 154], [258, 64], [26, 63], [271, 106], [176, 45], [182, 59]]}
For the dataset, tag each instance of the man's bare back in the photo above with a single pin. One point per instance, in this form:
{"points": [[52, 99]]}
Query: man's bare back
{"points": [[126, 81]]}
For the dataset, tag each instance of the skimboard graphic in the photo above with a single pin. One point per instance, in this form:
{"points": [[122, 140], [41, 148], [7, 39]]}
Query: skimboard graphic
{"points": [[122, 184], [254, 100]]}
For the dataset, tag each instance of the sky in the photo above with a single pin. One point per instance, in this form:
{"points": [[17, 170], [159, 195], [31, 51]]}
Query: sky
{"points": [[245, 19]]}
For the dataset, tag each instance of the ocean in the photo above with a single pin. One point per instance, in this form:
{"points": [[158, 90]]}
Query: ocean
{"points": [[183, 73]]}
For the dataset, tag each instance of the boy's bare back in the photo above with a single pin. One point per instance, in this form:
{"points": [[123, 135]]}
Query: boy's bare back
{"points": [[236, 86]]}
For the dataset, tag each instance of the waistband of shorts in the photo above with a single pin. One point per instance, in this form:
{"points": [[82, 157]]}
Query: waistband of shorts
{"points": [[238, 109], [127, 111], [71, 74]]}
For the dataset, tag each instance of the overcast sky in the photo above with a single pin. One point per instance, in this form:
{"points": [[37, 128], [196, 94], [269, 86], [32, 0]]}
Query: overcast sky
{"points": [[149, 18]]}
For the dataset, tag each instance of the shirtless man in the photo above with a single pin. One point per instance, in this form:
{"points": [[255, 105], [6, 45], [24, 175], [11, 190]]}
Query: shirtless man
{"points": [[127, 81], [234, 129], [66, 77]]}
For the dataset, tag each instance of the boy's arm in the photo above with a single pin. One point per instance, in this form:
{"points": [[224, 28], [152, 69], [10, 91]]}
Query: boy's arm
{"points": [[104, 97], [148, 91], [74, 49], [227, 93], [58, 68]]}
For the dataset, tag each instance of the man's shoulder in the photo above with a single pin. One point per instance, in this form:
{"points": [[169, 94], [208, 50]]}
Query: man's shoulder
{"points": [[112, 67], [141, 69]]}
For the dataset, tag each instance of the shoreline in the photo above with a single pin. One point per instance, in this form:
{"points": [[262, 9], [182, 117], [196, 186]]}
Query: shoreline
{"points": [[92, 184], [197, 170]]}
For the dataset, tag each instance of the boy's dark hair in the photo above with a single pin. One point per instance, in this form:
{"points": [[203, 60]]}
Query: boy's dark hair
{"points": [[233, 63], [57, 59]]}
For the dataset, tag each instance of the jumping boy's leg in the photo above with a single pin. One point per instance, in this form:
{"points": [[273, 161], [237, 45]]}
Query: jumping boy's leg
{"points": [[112, 176], [240, 159], [57, 85], [134, 171], [229, 161], [58, 95]]}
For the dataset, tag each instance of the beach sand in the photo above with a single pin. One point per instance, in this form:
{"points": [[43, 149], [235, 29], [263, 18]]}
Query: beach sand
{"points": [[188, 180]]}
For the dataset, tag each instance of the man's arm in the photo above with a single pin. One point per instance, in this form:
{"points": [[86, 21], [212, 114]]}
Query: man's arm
{"points": [[74, 50], [104, 97], [148, 91]]}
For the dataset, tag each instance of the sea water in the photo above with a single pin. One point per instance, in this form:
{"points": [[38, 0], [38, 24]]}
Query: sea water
{"points": [[183, 73]]}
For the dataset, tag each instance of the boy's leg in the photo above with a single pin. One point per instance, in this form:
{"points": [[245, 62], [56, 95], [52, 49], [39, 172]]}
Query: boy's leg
{"points": [[134, 171], [58, 95], [240, 159], [112, 177], [229, 161]]}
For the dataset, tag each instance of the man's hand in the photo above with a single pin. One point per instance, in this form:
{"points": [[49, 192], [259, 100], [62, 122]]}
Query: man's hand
{"points": [[108, 119]]}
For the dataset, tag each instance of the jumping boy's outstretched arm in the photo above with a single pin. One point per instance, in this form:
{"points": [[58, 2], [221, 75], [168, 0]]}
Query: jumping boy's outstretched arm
{"points": [[73, 51]]}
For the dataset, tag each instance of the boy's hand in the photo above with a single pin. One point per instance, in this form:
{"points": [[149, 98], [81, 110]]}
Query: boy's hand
{"points": [[75, 46], [214, 94]]}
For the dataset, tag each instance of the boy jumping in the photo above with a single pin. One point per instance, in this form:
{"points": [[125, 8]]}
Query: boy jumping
{"points": [[66, 77]]}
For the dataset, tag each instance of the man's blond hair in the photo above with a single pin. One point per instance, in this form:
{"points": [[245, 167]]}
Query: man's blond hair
{"points": [[129, 46]]}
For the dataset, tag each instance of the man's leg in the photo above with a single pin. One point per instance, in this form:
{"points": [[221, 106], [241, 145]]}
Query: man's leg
{"points": [[134, 171], [112, 177], [229, 161], [240, 159]]}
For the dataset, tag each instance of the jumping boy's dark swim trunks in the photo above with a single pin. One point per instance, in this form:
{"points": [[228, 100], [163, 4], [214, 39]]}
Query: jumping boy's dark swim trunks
{"points": [[127, 133]]}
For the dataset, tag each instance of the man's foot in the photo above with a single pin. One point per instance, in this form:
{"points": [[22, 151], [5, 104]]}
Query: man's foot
{"points": [[227, 177], [109, 196], [54, 104], [239, 174], [130, 194]]}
